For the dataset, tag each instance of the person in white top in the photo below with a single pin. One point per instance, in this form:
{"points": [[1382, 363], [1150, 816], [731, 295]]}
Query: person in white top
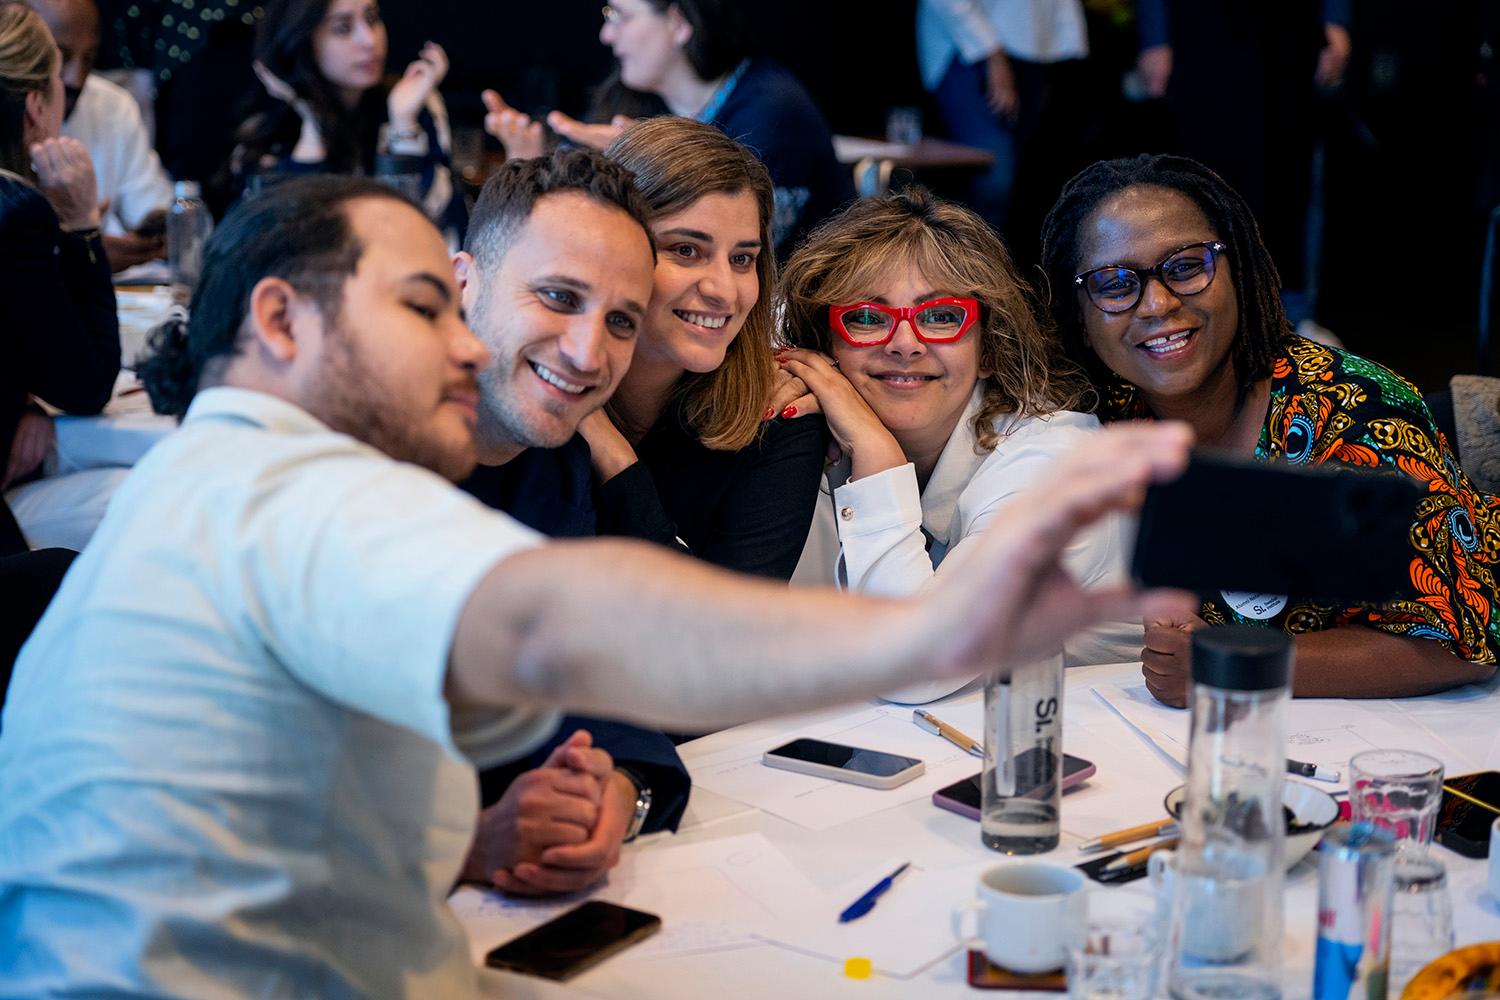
{"points": [[106, 119], [238, 753], [946, 395]]}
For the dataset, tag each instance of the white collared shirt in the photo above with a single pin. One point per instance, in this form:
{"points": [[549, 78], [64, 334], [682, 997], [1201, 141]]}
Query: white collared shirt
{"points": [[227, 768], [128, 173], [871, 539]]}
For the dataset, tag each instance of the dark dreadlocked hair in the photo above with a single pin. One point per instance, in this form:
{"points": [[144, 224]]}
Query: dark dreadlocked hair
{"points": [[1262, 320]]}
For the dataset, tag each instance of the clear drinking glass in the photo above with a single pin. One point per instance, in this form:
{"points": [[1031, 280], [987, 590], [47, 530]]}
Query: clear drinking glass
{"points": [[1421, 917], [1120, 954], [1400, 791], [1021, 784]]}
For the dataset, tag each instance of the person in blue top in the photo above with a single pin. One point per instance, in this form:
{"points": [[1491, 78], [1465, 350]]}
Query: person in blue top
{"points": [[691, 58]]}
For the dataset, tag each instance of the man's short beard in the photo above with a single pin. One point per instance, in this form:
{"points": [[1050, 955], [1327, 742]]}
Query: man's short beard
{"points": [[353, 402]]}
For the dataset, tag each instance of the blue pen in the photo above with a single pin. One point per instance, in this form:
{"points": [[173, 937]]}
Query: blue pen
{"points": [[866, 903]]}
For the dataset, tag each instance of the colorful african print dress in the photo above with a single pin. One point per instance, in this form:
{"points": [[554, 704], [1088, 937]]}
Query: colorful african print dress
{"points": [[1330, 406]]}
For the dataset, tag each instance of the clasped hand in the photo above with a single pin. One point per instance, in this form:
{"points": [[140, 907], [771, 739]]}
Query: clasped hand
{"points": [[557, 828]]}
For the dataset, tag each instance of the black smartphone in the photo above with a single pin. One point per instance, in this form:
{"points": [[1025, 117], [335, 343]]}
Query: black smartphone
{"points": [[1313, 533], [1470, 806], [962, 797], [566, 945]]}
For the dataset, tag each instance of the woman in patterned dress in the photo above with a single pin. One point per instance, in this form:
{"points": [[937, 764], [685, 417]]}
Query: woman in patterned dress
{"points": [[1164, 291]]}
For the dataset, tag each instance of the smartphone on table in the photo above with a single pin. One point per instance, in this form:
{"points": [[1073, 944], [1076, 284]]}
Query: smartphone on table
{"points": [[576, 940], [1310, 532], [1470, 806], [963, 796], [856, 765]]}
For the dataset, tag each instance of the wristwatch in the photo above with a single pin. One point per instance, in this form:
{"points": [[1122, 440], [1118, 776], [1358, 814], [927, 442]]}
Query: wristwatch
{"points": [[642, 804]]}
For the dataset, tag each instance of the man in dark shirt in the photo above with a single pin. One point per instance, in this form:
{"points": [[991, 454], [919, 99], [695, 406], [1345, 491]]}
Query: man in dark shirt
{"points": [[556, 275]]}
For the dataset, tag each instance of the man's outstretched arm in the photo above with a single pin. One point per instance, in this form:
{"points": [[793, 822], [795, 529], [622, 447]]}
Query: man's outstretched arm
{"points": [[625, 630]]}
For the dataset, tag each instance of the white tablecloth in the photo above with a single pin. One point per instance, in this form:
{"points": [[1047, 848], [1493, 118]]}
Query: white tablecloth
{"points": [[1132, 778]]}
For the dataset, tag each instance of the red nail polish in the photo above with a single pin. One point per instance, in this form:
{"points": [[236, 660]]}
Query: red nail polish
{"points": [[790, 411], [768, 414]]}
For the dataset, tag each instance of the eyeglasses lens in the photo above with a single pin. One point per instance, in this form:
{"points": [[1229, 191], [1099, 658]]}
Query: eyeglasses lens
{"points": [[941, 322], [866, 324], [1187, 272]]}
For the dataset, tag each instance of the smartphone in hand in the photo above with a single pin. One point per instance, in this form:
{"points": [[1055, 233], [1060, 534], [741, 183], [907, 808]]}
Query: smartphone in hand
{"points": [[1254, 528]]}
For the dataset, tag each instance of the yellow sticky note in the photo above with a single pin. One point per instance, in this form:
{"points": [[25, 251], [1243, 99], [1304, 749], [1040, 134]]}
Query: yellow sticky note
{"points": [[857, 968]]}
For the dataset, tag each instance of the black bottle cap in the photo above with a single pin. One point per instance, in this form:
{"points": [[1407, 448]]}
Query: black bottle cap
{"points": [[1242, 658]]}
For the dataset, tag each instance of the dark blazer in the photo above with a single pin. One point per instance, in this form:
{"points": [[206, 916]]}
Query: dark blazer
{"points": [[550, 490], [63, 336]]}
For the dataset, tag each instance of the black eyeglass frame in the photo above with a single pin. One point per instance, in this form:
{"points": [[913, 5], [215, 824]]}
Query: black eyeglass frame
{"points": [[1214, 247]]}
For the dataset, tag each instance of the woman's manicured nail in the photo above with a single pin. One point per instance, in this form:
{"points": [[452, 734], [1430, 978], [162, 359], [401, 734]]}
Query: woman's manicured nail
{"points": [[768, 414], [789, 412]]}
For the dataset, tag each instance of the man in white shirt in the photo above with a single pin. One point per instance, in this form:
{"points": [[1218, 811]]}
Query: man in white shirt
{"points": [[237, 755], [106, 119]]}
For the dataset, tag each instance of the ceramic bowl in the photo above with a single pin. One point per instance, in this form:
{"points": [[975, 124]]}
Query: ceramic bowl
{"points": [[1314, 809]]}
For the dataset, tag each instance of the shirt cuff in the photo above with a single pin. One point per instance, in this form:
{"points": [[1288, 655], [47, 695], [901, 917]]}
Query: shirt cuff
{"points": [[886, 500]]}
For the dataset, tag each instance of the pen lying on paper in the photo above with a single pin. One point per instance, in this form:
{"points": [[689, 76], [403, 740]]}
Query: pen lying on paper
{"points": [[1160, 828], [1139, 855], [866, 903], [933, 724], [1312, 771]]}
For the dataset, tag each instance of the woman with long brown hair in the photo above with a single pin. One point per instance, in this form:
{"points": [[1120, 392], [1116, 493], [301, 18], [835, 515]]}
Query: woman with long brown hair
{"points": [[683, 454], [924, 350]]}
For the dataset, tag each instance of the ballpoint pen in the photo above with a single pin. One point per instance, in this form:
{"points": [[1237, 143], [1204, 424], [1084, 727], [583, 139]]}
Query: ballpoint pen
{"points": [[933, 724], [1159, 828], [866, 903], [1137, 856], [1312, 771]]}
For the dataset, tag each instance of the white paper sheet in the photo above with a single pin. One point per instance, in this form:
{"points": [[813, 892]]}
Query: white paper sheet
{"points": [[711, 895], [819, 803], [1326, 732], [910, 928]]}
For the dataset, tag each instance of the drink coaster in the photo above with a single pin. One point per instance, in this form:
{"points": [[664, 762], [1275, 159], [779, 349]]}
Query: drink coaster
{"points": [[985, 975]]}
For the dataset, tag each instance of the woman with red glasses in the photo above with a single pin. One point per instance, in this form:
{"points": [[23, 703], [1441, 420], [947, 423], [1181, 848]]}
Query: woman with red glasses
{"points": [[943, 390], [1166, 295]]}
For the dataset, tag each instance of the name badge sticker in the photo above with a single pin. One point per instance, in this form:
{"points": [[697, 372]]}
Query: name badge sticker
{"points": [[1258, 607]]}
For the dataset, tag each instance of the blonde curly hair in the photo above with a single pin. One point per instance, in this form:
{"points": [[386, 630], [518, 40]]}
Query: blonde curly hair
{"points": [[846, 256]]}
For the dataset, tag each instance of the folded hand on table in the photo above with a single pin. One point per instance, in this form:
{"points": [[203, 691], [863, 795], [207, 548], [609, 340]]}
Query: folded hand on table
{"points": [[557, 828], [1167, 660]]}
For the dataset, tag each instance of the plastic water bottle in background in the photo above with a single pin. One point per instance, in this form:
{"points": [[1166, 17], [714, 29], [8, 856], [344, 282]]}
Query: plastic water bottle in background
{"points": [[188, 226]]}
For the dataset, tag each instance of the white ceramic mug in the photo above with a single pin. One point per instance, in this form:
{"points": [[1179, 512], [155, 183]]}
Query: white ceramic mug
{"points": [[1027, 913], [1495, 859]]}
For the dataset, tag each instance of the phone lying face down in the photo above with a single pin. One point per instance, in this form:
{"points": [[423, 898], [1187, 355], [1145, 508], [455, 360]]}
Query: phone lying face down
{"points": [[1257, 529], [856, 765], [963, 796], [567, 944]]}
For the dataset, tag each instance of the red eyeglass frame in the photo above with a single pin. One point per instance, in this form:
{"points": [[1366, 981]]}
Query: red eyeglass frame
{"points": [[907, 313]]}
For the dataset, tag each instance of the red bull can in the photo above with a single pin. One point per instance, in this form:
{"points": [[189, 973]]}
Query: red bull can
{"points": [[1356, 875]]}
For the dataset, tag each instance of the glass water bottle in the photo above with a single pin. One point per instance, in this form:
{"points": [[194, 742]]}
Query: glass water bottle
{"points": [[1021, 788], [1228, 871]]}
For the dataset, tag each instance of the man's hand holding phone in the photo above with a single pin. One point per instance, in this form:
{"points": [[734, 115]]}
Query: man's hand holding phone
{"points": [[1167, 660]]}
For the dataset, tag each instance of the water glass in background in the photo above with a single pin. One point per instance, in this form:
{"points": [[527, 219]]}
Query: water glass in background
{"points": [[1120, 954], [1397, 790], [1421, 917], [398, 169], [903, 126]]}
